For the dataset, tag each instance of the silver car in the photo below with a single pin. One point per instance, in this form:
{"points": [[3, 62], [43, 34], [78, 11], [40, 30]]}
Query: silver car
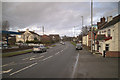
{"points": [[40, 48], [78, 46]]}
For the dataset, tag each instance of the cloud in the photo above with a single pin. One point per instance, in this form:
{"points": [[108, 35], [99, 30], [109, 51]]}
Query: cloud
{"points": [[56, 17]]}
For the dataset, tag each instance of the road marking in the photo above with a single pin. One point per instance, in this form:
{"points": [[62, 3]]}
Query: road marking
{"points": [[2, 72], [7, 64], [57, 53], [28, 58], [36, 58], [61, 50], [75, 66], [22, 69], [47, 58]]}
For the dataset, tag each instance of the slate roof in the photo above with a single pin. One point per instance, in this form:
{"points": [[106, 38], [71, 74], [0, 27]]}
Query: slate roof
{"points": [[112, 22], [30, 32]]}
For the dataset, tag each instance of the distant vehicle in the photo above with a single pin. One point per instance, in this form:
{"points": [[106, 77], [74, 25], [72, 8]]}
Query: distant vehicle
{"points": [[61, 42], [40, 48], [78, 46]]}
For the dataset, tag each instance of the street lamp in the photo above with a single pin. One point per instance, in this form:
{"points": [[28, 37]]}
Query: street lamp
{"points": [[91, 21], [82, 28]]}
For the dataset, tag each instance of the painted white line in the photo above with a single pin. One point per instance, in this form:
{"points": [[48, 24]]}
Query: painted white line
{"points": [[57, 53], [47, 58], [61, 50], [28, 58], [75, 66], [36, 58], [7, 64], [2, 72], [22, 69]]}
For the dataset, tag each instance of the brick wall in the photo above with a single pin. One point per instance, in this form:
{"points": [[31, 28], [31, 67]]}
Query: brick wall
{"points": [[113, 54]]}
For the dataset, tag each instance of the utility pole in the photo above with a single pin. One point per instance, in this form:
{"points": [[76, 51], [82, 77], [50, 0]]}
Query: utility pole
{"points": [[43, 30], [91, 22], [82, 28], [74, 31]]}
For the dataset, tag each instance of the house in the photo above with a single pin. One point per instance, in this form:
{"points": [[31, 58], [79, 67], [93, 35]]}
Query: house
{"points": [[27, 36], [85, 40], [46, 39], [108, 37], [55, 37]]}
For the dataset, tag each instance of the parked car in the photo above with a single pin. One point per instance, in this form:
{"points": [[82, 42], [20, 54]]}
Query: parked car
{"points": [[40, 48], [78, 46]]}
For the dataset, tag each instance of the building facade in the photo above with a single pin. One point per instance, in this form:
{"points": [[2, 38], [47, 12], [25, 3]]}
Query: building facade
{"points": [[27, 36]]}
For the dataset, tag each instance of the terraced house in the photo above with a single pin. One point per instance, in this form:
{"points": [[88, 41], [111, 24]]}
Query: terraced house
{"points": [[108, 37], [27, 36]]}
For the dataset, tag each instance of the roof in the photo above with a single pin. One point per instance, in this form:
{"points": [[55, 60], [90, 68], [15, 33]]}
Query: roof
{"points": [[10, 32], [112, 22], [30, 32]]}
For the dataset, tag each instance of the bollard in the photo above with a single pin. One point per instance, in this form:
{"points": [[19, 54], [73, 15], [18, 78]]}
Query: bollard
{"points": [[104, 53]]}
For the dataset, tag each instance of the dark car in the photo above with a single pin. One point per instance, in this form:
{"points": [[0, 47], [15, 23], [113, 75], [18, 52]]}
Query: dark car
{"points": [[78, 46]]}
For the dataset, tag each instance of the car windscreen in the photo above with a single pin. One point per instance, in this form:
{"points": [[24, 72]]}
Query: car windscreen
{"points": [[78, 44], [36, 46]]}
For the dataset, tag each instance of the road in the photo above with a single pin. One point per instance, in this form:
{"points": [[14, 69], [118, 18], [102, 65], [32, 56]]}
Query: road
{"points": [[58, 62]]}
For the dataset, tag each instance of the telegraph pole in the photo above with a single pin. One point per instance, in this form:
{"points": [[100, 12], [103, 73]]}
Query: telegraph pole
{"points": [[43, 30], [82, 28], [74, 31], [91, 22]]}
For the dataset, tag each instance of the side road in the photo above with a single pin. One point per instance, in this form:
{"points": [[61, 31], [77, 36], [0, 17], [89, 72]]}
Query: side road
{"points": [[95, 66]]}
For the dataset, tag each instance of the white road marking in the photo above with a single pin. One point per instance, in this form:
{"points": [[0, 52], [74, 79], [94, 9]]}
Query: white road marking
{"points": [[75, 66], [7, 64], [22, 69], [2, 72], [61, 50], [28, 58], [57, 53], [47, 58], [36, 58]]}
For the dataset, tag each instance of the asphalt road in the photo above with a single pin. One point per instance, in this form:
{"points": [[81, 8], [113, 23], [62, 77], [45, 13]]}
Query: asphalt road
{"points": [[58, 62]]}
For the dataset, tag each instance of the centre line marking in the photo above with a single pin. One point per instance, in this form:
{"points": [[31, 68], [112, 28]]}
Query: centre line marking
{"points": [[47, 58], [22, 69]]}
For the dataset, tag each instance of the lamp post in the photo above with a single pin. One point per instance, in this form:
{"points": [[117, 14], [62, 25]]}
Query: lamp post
{"points": [[91, 22], [82, 28]]}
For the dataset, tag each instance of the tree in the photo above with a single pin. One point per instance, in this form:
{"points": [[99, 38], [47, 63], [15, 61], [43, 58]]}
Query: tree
{"points": [[5, 25]]}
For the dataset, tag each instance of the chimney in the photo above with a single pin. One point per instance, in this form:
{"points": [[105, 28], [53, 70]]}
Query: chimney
{"points": [[27, 29], [109, 18], [18, 30], [103, 20]]}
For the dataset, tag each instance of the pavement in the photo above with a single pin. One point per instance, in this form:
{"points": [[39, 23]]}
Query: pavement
{"points": [[95, 66], [61, 61]]}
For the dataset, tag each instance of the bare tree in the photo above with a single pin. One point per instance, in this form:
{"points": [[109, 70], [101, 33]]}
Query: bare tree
{"points": [[5, 25]]}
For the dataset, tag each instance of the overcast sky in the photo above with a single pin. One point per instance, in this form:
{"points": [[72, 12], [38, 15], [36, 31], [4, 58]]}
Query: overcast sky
{"points": [[56, 17]]}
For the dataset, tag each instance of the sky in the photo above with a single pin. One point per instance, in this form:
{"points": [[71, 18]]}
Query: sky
{"points": [[56, 17]]}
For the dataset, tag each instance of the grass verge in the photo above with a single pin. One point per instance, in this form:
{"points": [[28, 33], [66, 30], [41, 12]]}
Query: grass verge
{"points": [[73, 43], [53, 45], [16, 53]]}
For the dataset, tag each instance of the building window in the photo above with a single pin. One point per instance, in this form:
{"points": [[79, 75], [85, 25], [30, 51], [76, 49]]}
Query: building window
{"points": [[100, 32], [19, 36], [107, 47], [109, 33]]}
